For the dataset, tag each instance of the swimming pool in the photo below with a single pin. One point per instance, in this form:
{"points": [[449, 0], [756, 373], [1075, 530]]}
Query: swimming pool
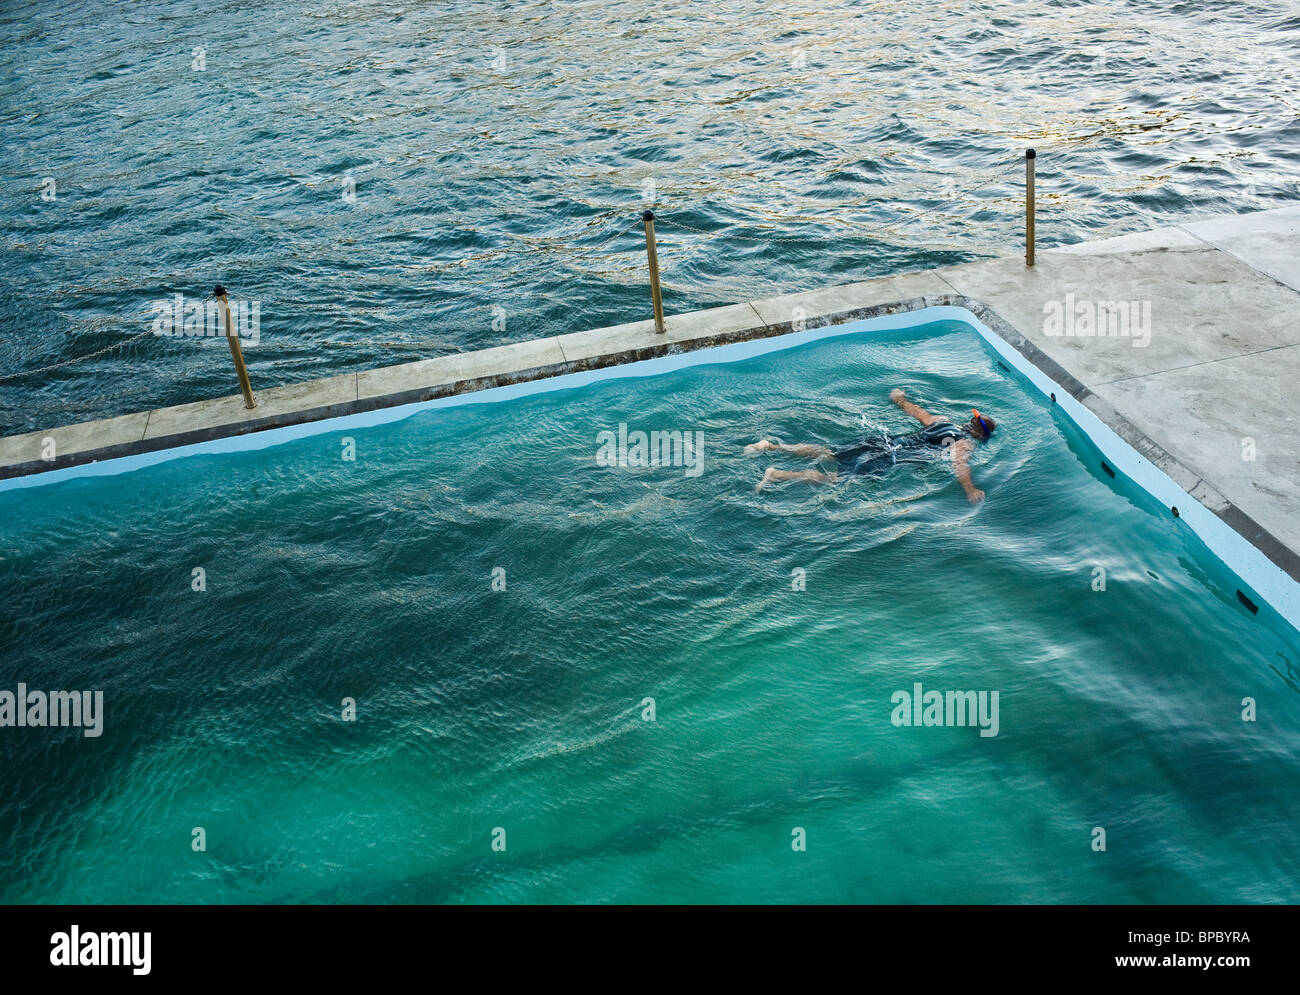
{"points": [[503, 608]]}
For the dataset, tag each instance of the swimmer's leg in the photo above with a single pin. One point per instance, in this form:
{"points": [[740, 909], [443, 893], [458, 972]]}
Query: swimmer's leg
{"points": [[774, 475], [807, 450]]}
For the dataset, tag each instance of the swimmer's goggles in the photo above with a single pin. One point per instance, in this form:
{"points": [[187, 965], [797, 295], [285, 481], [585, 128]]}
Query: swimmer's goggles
{"points": [[983, 424]]}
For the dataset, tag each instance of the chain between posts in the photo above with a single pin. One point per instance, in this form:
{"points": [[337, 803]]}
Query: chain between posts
{"points": [[77, 359]]}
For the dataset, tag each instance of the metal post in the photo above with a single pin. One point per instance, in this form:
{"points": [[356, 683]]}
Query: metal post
{"points": [[649, 219], [1030, 159], [236, 353]]}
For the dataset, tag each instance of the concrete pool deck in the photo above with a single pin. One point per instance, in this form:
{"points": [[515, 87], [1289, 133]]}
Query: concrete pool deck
{"points": [[1204, 399]]}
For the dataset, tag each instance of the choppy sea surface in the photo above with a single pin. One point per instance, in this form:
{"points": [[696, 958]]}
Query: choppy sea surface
{"points": [[646, 683], [390, 181]]}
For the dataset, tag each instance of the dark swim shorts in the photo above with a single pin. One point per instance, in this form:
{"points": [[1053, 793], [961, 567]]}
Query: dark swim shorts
{"points": [[881, 453]]}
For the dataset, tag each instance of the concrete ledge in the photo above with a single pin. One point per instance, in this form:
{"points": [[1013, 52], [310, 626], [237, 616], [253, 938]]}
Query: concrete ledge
{"points": [[837, 304], [1142, 241], [283, 405], [1267, 242], [23, 454]]}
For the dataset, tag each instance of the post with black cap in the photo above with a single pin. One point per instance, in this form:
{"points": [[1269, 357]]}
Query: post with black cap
{"points": [[236, 353], [1030, 159], [653, 256]]}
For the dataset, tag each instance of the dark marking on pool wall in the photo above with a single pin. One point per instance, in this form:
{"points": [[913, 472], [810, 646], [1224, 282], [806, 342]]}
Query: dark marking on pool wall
{"points": [[1174, 510], [1001, 366], [1053, 396], [1106, 466], [1250, 605]]}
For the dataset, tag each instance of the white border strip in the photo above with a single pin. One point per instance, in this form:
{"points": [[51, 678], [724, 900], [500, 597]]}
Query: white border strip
{"points": [[1255, 570]]}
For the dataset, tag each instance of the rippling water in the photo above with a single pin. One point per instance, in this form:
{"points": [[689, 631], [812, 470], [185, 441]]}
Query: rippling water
{"points": [[523, 708], [500, 153]]}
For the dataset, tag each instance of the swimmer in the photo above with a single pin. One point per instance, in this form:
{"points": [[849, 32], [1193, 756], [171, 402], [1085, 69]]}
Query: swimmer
{"points": [[878, 454]]}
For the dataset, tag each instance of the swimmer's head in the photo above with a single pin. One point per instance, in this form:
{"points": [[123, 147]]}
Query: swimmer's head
{"points": [[981, 426]]}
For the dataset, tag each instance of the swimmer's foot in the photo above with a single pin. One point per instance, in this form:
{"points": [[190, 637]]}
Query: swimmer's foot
{"points": [[768, 478], [761, 446]]}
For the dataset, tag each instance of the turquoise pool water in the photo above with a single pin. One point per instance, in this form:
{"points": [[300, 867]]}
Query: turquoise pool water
{"points": [[524, 708]]}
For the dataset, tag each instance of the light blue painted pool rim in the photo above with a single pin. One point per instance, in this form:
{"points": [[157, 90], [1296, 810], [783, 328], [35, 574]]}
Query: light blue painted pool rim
{"points": [[1267, 581]]}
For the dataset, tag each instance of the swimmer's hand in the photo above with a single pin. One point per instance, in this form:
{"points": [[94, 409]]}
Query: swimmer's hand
{"points": [[974, 495], [915, 410]]}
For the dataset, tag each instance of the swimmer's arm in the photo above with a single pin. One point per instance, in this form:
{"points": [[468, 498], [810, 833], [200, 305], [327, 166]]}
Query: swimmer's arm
{"points": [[961, 468], [915, 410]]}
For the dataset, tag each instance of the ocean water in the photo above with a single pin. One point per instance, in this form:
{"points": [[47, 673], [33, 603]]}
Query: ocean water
{"points": [[396, 180], [523, 709]]}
